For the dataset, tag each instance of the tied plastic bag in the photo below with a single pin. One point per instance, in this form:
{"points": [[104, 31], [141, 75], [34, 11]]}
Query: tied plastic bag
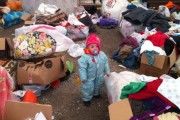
{"points": [[114, 8], [47, 9], [57, 33], [33, 45]]}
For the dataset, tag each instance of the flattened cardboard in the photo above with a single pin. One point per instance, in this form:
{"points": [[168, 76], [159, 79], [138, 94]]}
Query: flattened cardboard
{"points": [[120, 110], [40, 73], [2, 43], [23, 110], [4, 48]]}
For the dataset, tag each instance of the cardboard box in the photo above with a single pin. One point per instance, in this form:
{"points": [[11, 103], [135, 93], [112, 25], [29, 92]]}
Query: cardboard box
{"points": [[29, 23], [161, 65], [120, 110], [23, 110], [43, 72], [26, 17], [4, 48]]}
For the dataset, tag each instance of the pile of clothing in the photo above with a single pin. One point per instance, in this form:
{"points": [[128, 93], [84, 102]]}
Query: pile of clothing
{"points": [[159, 95]]}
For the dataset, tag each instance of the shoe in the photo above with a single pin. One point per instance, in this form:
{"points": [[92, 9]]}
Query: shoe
{"points": [[97, 96], [87, 103]]}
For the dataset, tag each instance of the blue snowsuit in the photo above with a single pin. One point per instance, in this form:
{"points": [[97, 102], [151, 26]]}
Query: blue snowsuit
{"points": [[92, 74]]}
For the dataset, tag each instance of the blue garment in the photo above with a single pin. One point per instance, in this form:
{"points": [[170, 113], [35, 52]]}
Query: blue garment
{"points": [[92, 74], [12, 18]]}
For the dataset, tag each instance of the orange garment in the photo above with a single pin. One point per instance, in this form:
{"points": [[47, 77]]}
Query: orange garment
{"points": [[14, 4], [170, 4]]}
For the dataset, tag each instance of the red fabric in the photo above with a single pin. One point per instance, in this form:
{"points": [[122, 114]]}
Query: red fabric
{"points": [[93, 39], [151, 91], [158, 39]]}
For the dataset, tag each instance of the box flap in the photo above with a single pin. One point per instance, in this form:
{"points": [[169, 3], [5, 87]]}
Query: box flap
{"points": [[120, 110], [22, 110], [10, 43], [172, 58], [158, 62], [2, 43]]}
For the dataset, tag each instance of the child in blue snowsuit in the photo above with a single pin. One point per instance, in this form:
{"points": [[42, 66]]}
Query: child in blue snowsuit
{"points": [[93, 65]]}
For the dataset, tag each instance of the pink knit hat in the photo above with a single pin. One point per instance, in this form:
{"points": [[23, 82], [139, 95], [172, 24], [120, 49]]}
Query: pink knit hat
{"points": [[93, 39]]}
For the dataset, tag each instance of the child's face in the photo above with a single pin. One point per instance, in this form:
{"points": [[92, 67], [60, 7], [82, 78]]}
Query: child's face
{"points": [[93, 48]]}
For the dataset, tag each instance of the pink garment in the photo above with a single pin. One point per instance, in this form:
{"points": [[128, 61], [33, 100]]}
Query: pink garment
{"points": [[158, 39], [6, 86]]}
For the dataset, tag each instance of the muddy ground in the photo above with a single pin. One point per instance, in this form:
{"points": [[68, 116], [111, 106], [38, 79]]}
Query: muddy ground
{"points": [[66, 101]]}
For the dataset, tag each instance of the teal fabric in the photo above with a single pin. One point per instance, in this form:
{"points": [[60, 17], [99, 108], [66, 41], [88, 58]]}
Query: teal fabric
{"points": [[150, 56], [133, 87], [92, 74]]}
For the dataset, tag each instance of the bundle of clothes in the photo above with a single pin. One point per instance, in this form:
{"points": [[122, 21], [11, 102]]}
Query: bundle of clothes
{"points": [[146, 31], [159, 95]]}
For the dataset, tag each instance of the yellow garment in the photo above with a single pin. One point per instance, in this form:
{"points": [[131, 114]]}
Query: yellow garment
{"points": [[168, 116]]}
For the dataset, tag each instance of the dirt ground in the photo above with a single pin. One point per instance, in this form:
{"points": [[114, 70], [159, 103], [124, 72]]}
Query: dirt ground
{"points": [[66, 101]]}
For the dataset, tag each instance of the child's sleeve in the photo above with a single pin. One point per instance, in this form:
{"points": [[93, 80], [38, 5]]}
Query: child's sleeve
{"points": [[82, 63]]}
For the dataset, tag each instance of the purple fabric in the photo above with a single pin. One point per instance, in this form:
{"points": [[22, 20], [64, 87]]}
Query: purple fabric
{"points": [[108, 22], [130, 41], [156, 107]]}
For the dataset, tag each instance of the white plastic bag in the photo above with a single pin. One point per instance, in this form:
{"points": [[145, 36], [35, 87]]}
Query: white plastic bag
{"points": [[73, 20], [47, 9], [76, 50], [116, 81], [114, 8], [62, 42]]}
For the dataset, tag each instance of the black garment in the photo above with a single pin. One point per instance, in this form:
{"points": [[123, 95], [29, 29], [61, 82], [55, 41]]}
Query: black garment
{"points": [[148, 18], [168, 47], [3, 3], [88, 22], [177, 40]]}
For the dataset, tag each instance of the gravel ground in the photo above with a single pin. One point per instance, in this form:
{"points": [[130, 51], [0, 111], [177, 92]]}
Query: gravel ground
{"points": [[65, 99]]}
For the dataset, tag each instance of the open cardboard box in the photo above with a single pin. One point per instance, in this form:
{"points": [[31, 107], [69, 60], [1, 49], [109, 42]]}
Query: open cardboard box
{"points": [[27, 18], [161, 65], [4, 48], [43, 72], [24, 110], [120, 110]]}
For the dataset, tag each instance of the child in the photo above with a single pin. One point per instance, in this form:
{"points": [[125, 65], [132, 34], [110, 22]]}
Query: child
{"points": [[93, 65]]}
